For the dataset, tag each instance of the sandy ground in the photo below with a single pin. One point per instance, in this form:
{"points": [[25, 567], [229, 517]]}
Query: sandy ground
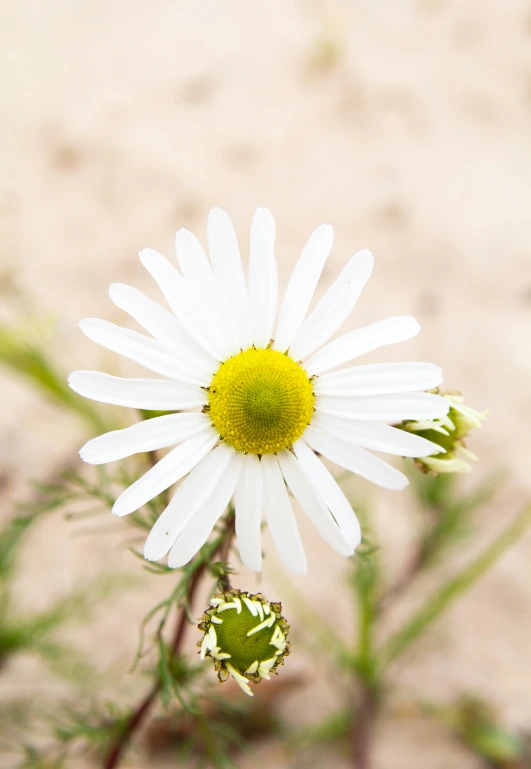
{"points": [[404, 124]]}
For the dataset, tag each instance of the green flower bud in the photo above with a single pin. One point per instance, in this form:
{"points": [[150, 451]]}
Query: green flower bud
{"points": [[449, 433], [245, 635]]}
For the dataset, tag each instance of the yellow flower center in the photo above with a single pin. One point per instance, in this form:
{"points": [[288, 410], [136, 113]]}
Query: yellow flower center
{"points": [[261, 401]]}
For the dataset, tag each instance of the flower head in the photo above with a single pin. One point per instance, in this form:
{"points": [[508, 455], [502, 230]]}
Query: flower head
{"points": [[245, 635], [257, 394], [449, 433]]}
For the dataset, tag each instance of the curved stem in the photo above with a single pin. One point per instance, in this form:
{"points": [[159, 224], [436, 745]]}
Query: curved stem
{"points": [[112, 759], [142, 710]]}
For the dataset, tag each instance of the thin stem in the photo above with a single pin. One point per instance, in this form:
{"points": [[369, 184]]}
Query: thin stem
{"points": [[365, 662], [224, 551], [142, 710], [436, 605], [136, 720], [362, 731], [404, 581]]}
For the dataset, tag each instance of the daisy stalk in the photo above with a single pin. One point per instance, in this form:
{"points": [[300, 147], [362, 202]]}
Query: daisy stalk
{"points": [[141, 711]]}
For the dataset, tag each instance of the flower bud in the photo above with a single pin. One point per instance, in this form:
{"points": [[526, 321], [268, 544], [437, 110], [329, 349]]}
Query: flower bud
{"points": [[245, 635], [449, 433]]}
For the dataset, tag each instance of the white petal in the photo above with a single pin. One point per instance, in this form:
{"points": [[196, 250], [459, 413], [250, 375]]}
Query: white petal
{"points": [[355, 459], [191, 494], [166, 472], [148, 352], [280, 518], [379, 378], [335, 306], [249, 503], [199, 276], [327, 488], [198, 529], [263, 281], [161, 324], [376, 436], [156, 394], [192, 259], [385, 408], [228, 268], [312, 505], [192, 313], [301, 286], [156, 433], [361, 341]]}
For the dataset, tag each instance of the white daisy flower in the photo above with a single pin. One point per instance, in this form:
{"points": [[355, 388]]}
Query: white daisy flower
{"points": [[256, 393]]}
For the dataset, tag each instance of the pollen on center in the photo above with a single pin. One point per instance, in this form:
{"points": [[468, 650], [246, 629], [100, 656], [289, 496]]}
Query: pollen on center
{"points": [[261, 401]]}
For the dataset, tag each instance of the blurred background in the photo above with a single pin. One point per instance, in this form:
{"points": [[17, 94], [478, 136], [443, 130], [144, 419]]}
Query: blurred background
{"points": [[407, 126]]}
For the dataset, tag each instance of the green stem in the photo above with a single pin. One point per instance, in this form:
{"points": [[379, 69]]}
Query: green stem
{"points": [[366, 581], [323, 633], [365, 659], [142, 710], [437, 604], [366, 586]]}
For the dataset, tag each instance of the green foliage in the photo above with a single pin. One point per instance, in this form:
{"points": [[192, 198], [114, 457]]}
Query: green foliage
{"points": [[95, 726], [331, 730], [447, 512], [366, 585], [175, 676], [447, 518], [211, 736], [34, 632], [34, 758], [478, 726], [25, 356], [180, 593], [38, 633], [11, 537], [206, 727], [320, 638], [88, 494], [437, 603]]}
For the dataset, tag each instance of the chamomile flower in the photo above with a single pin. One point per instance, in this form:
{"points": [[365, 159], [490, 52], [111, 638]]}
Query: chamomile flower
{"points": [[258, 394]]}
